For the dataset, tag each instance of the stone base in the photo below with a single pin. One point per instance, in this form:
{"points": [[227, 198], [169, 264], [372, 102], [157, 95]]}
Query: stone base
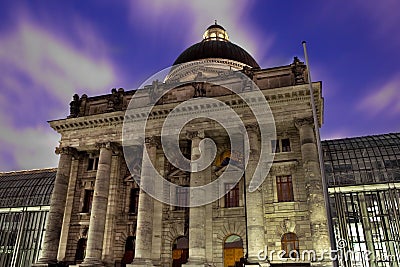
{"points": [[140, 263], [44, 263], [91, 263], [195, 264]]}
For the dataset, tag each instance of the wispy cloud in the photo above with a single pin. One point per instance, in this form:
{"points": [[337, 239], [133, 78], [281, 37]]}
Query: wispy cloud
{"points": [[385, 99], [40, 71], [27, 148], [51, 64], [200, 14]]}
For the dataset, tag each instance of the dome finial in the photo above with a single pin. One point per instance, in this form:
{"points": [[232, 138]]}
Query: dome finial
{"points": [[216, 22]]}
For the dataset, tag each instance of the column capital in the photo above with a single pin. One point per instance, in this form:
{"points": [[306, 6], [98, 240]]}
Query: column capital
{"points": [[152, 141], [108, 145], [195, 133], [299, 122], [253, 127], [67, 151]]}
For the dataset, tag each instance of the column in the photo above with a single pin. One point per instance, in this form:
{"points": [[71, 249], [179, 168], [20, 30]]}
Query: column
{"points": [[254, 200], [144, 228], [57, 207], [99, 208], [68, 209], [316, 200], [197, 215], [109, 232]]}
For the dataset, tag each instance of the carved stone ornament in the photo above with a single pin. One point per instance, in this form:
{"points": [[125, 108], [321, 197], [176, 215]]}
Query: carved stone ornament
{"points": [[67, 150], [298, 69], [74, 106], [109, 145], [193, 134], [252, 128], [152, 141], [286, 226], [199, 89], [115, 100], [299, 122]]}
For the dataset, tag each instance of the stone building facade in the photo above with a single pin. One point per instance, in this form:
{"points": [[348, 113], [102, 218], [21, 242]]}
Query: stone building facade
{"points": [[100, 217]]}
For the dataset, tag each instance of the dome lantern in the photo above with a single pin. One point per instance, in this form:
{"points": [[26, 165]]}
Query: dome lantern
{"points": [[215, 33]]}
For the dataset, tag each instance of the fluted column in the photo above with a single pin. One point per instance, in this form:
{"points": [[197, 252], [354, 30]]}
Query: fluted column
{"points": [[99, 208], [254, 205], [57, 207], [316, 201], [144, 232], [197, 215]]}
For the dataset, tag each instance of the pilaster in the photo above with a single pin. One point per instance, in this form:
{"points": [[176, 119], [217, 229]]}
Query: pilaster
{"points": [[254, 200]]}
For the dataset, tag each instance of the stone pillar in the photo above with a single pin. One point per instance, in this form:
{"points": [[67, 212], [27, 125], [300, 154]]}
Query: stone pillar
{"points": [[316, 200], [57, 207], [254, 200], [99, 208], [144, 229], [197, 215], [68, 210], [109, 232]]}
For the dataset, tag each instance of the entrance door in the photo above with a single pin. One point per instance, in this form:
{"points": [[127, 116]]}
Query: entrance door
{"points": [[233, 250], [180, 251]]}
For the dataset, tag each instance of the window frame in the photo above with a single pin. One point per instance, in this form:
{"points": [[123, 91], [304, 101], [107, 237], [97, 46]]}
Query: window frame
{"points": [[281, 186], [232, 197], [87, 200], [134, 200], [290, 241]]}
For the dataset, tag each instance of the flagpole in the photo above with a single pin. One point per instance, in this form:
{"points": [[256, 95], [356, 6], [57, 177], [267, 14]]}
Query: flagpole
{"points": [[319, 147]]}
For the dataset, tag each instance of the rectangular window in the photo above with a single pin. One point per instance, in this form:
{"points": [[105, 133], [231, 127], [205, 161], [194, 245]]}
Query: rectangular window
{"points": [[286, 145], [87, 201], [93, 163], [275, 145], [134, 200], [232, 197], [284, 188], [182, 198]]}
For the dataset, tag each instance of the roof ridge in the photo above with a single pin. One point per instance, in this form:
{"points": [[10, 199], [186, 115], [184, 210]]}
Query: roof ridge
{"points": [[29, 171]]}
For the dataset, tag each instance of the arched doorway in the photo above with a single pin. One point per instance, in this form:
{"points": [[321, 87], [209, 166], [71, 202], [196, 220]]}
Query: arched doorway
{"points": [[129, 250], [80, 251], [180, 251], [233, 250]]}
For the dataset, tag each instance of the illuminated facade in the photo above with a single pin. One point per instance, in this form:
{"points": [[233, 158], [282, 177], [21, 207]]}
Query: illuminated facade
{"points": [[100, 217]]}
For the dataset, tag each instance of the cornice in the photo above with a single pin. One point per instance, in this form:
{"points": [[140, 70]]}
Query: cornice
{"points": [[275, 97]]}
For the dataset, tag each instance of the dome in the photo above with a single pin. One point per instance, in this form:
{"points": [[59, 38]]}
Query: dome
{"points": [[216, 44]]}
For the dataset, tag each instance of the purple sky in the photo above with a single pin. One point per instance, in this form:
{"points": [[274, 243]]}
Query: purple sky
{"points": [[50, 50]]}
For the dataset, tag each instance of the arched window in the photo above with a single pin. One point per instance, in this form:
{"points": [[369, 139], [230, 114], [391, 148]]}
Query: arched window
{"points": [[290, 244], [80, 250], [180, 251], [233, 250]]}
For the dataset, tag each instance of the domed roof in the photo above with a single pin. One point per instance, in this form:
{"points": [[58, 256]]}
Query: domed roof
{"points": [[216, 44]]}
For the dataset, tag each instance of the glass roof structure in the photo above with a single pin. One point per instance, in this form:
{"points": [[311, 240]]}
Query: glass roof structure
{"points": [[362, 160], [26, 188]]}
